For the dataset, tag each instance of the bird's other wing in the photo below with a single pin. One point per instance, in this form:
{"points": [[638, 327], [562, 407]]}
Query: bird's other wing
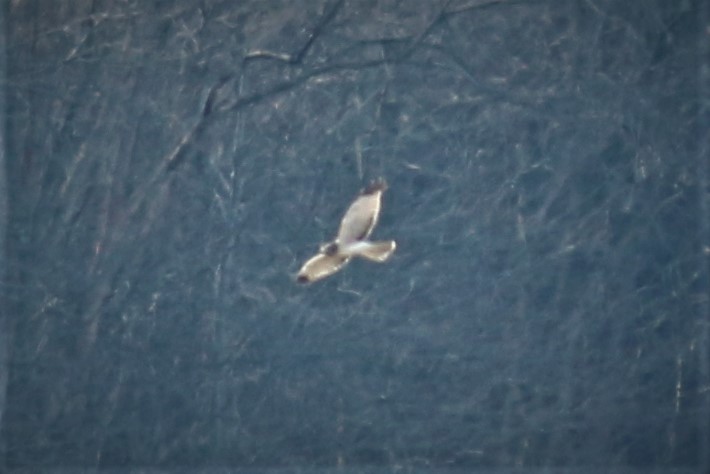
{"points": [[321, 266], [361, 217]]}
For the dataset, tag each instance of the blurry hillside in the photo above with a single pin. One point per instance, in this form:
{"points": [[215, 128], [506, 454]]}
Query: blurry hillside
{"points": [[168, 166]]}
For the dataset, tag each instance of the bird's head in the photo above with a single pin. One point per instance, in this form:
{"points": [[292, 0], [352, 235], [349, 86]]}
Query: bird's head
{"points": [[329, 249]]}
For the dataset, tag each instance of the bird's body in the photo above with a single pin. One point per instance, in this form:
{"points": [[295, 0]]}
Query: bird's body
{"points": [[351, 241]]}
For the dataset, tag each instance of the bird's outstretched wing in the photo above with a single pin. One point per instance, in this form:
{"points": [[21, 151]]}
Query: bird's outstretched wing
{"points": [[361, 217], [321, 266]]}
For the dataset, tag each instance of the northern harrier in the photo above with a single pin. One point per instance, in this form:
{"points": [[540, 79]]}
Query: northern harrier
{"points": [[356, 226]]}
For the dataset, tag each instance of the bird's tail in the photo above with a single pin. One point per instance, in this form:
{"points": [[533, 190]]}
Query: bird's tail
{"points": [[377, 251]]}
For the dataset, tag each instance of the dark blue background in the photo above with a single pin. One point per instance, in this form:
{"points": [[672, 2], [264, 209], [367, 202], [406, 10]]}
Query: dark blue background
{"points": [[168, 166]]}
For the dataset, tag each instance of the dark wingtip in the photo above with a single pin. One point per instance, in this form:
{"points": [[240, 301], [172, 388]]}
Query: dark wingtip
{"points": [[376, 185], [302, 279]]}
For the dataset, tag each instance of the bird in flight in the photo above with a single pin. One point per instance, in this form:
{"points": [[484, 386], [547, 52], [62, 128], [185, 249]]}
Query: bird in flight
{"points": [[351, 241]]}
